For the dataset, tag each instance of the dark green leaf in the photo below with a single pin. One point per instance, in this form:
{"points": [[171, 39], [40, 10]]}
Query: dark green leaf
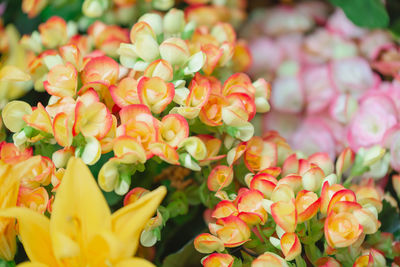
{"points": [[390, 220], [186, 257]]}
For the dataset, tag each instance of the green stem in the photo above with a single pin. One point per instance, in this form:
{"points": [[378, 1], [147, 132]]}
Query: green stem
{"points": [[267, 243], [348, 181], [300, 261]]}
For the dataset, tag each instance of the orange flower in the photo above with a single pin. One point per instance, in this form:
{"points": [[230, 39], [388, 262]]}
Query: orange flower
{"points": [[307, 205], [155, 93], [259, 154], [173, 129], [224, 209], [33, 7], [232, 231], [342, 229], [327, 262], [218, 260], [251, 210], [62, 81], [11, 154], [220, 177], [35, 199], [53, 32], [269, 259], [265, 183], [134, 195], [125, 92], [100, 69]]}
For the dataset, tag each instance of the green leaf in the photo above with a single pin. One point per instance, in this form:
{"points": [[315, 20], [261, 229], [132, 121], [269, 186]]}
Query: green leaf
{"points": [[178, 205], [390, 219], [364, 13], [237, 262], [164, 214], [4, 263], [186, 256], [192, 194]]}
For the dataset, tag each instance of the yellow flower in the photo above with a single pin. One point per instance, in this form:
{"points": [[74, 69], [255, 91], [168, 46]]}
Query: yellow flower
{"points": [[81, 230], [8, 198]]}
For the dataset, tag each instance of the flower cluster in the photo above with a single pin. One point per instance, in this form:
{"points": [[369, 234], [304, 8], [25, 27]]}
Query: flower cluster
{"points": [[290, 206], [205, 12], [165, 93], [325, 92]]}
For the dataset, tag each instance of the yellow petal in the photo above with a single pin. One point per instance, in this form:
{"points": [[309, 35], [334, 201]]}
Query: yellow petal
{"points": [[134, 262], [32, 264], [34, 234], [80, 211], [129, 221], [13, 74]]}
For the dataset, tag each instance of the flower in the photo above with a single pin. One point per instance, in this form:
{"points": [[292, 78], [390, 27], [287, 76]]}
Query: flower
{"points": [[81, 230], [342, 229], [8, 198]]}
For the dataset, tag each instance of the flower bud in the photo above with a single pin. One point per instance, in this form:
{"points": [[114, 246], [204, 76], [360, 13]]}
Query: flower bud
{"points": [[175, 51], [174, 21], [291, 246], [163, 4], [368, 220], [60, 157], [323, 161], [13, 114], [195, 147], [206, 243], [109, 175], [94, 8], [154, 20], [312, 179], [220, 177], [344, 161], [282, 192], [284, 214]]}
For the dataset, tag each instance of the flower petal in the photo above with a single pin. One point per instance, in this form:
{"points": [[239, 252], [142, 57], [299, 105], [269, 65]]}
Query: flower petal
{"points": [[78, 208], [134, 262], [128, 222], [34, 234]]}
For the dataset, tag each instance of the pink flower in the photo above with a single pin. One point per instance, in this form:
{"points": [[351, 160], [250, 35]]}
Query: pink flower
{"points": [[375, 116], [284, 123], [352, 75], [340, 24], [313, 136], [288, 94], [265, 48], [319, 90]]}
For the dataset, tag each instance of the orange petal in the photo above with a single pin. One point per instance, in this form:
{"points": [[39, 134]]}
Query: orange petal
{"points": [[284, 214], [291, 246]]}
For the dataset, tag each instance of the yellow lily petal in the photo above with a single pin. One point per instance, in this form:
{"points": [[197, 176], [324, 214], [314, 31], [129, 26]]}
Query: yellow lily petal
{"points": [[13, 74], [34, 234], [134, 262], [104, 247], [9, 185], [32, 264], [129, 221], [80, 211]]}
